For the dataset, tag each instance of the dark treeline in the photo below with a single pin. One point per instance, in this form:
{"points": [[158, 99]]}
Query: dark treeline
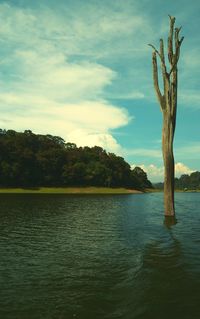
{"points": [[190, 182], [33, 160]]}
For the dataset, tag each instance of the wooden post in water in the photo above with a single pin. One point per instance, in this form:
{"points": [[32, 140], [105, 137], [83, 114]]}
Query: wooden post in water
{"points": [[168, 105]]}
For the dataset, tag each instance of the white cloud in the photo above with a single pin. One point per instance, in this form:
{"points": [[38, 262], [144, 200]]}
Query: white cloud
{"points": [[143, 152], [91, 29], [85, 123], [51, 75], [134, 95], [105, 140], [180, 169], [155, 173], [47, 92], [189, 150], [51, 80]]}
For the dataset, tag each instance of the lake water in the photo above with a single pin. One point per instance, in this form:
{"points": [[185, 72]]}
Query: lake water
{"points": [[96, 257]]}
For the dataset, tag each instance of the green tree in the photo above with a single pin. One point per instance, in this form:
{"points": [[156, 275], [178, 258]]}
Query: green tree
{"points": [[140, 179], [30, 160]]}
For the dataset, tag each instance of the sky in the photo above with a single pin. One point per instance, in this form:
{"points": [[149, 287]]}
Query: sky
{"points": [[82, 70]]}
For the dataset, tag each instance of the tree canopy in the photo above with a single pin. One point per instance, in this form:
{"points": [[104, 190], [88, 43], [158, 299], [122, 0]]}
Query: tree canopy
{"points": [[191, 181], [185, 181], [33, 160]]}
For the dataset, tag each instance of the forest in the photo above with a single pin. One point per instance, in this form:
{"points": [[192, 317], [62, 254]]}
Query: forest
{"points": [[34, 160], [185, 182], [190, 182]]}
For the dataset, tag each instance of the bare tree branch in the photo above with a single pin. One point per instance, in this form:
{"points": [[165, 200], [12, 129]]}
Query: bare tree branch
{"points": [[181, 40], [162, 57], [168, 105], [151, 45], [170, 39], [177, 53], [155, 80]]}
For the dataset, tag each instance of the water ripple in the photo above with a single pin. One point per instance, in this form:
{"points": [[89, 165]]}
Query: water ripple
{"points": [[100, 257]]}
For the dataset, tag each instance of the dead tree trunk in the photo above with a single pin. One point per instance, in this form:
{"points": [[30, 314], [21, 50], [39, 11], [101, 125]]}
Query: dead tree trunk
{"points": [[168, 105]]}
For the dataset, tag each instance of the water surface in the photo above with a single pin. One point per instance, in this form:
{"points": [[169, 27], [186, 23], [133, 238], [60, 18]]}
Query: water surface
{"points": [[98, 256]]}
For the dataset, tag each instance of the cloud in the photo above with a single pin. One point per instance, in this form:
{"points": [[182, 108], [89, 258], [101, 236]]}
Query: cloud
{"points": [[189, 150], [180, 169], [71, 121], [143, 152], [155, 173], [189, 74], [60, 68], [44, 89], [134, 95], [89, 29], [50, 74], [190, 59], [190, 98], [105, 140]]}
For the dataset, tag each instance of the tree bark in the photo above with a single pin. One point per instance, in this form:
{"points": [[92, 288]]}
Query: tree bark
{"points": [[168, 105], [168, 158]]}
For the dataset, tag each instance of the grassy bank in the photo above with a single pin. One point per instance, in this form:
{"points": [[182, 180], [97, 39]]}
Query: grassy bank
{"points": [[68, 190]]}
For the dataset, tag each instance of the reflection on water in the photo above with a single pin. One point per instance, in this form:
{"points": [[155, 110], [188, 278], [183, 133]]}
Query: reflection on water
{"points": [[170, 291], [170, 221], [98, 257]]}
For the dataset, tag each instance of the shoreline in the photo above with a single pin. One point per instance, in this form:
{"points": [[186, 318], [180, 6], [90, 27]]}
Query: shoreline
{"points": [[83, 190], [69, 190]]}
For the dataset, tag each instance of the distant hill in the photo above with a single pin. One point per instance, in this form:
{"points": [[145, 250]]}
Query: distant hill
{"points": [[190, 182], [30, 160], [159, 185]]}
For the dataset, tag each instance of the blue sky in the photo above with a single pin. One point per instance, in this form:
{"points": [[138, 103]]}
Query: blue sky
{"points": [[82, 70]]}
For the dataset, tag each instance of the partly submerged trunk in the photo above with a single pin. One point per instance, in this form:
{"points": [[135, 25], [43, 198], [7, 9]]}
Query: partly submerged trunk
{"points": [[168, 158], [168, 104]]}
